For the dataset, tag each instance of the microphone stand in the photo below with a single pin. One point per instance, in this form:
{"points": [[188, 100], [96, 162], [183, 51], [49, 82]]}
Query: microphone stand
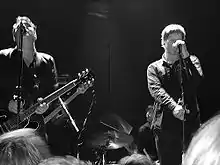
{"points": [[18, 95], [181, 101], [79, 143]]}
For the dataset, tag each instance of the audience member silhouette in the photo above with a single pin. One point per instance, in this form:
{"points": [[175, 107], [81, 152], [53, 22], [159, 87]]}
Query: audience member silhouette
{"points": [[136, 159], [22, 147], [204, 149], [64, 160]]}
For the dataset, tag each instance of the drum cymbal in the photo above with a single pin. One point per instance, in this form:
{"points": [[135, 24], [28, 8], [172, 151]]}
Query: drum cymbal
{"points": [[115, 122], [110, 140], [115, 133], [99, 139], [113, 145], [120, 140]]}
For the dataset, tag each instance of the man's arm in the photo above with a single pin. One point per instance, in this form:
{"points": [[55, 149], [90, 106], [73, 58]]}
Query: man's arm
{"points": [[4, 90], [156, 90], [49, 83], [54, 74], [47, 72], [195, 70]]}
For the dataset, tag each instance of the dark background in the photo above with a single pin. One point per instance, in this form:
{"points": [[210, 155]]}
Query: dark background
{"points": [[118, 39]]}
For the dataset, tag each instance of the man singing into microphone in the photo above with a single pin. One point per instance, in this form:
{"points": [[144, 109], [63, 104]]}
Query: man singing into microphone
{"points": [[35, 72], [173, 81]]}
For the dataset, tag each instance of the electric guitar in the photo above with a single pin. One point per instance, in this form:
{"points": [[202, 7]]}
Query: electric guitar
{"points": [[22, 120], [80, 90]]}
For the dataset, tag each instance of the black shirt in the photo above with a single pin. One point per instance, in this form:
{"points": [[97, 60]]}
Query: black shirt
{"points": [[38, 80]]}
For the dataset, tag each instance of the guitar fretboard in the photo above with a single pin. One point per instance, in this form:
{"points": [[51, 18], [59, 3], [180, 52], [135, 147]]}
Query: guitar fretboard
{"points": [[28, 112], [59, 108]]}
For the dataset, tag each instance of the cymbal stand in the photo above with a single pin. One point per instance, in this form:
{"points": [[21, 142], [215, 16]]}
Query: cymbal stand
{"points": [[79, 140], [101, 155], [102, 152]]}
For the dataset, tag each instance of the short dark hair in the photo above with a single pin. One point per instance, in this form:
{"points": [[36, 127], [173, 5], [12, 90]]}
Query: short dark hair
{"points": [[26, 20], [172, 28]]}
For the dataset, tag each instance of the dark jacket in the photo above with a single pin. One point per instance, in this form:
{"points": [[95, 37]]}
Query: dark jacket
{"points": [[164, 86], [39, 79]]}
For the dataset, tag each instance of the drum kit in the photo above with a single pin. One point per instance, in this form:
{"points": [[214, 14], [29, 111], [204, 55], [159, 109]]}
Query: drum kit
{"points": [[117, 137]]}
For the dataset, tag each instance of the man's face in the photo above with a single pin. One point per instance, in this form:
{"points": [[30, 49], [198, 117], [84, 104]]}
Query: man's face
{"points": [[29, 35], [168, 44]]}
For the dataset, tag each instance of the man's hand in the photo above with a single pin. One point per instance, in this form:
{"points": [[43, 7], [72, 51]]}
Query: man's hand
{"points": [[182, 45], [42, 107], [179, 112], [185, 52], [13, 106]]}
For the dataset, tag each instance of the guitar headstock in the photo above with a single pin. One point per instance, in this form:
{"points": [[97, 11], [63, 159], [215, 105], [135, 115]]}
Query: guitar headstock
{"points": [[85, 75], [84, 86], [87, 79]]}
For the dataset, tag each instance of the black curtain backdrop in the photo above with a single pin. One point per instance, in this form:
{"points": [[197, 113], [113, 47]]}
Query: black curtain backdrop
{"points": [[118, 39]]}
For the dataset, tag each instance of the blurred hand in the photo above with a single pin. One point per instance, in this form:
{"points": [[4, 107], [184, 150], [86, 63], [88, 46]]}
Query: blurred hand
{"points": [[185, 52], [183, 48], [13, 106], [179, 112], [42, 107]]}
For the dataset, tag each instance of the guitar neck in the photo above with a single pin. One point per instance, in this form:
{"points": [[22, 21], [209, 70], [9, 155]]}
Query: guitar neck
{"points": [[50, 98], [14, 122], [31, 110], [59, 108]]}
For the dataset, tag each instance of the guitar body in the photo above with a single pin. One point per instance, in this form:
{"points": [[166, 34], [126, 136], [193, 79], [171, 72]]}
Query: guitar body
{"points": [[35, 122], [28, 117]]}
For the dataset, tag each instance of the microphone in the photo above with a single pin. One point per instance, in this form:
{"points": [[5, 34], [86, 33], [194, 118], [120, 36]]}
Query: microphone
{"points": [[22, 28], [20, 31], [178, 44]]}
